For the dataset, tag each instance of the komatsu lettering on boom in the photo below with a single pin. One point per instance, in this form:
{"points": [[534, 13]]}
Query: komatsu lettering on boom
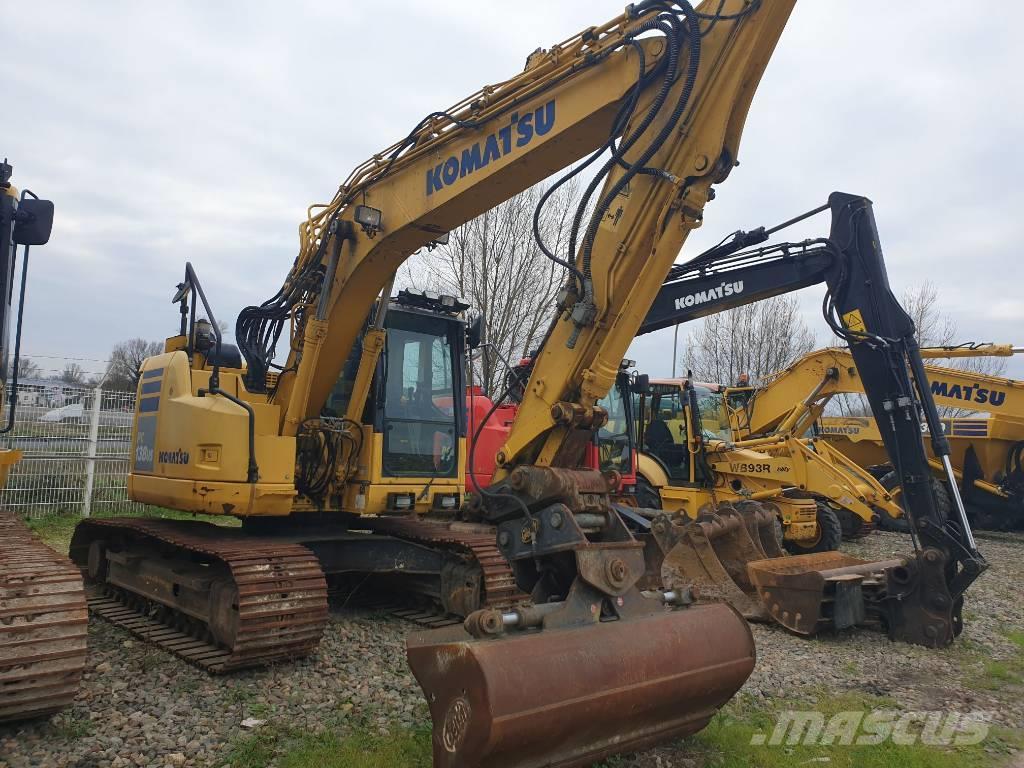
{"points": [[520, 131]]}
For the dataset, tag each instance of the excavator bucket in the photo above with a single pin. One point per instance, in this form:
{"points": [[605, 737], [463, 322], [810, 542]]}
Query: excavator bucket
{"points": [[762, 520], [808, 593], [711, 554], [569, 697]]}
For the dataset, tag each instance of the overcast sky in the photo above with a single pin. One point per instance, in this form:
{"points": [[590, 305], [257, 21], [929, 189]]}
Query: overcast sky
{"points": [[200, 131]]}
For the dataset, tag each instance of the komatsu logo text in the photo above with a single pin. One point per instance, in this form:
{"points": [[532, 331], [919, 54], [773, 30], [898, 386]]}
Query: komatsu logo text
{"points": [[173, 457], [711, 294], [971, 393], [520, 131]]}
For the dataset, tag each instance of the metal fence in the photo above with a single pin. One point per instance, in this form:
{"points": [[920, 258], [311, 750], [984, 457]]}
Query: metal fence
{"points": [[75, 443]]}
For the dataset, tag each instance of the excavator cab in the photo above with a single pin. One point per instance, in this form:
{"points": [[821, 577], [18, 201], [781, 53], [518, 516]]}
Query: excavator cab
{"points": [[415, 414]]}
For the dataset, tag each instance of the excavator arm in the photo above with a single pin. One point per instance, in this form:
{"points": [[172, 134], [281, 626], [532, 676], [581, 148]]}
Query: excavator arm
{"points": [[919, 600]]}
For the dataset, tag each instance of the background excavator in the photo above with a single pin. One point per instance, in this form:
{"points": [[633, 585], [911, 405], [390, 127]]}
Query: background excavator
{"points": [[348, 456], [43, 619], [985, 449], [719, 551]]}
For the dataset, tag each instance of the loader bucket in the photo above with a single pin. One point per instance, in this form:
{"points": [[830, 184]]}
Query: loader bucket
{"points": [[807, 593], [569, 697], [712, 555]]}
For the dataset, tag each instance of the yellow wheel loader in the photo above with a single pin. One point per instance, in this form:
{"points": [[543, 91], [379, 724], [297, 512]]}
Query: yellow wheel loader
{"points": [[43, 619], [986, 448]]}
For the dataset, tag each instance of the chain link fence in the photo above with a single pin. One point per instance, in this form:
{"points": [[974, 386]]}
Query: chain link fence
{"points": [[75, 444]]}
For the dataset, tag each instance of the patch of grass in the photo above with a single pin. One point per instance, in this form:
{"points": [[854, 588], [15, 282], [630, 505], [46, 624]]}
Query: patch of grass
{"points": [[71, 726], [56, 530], [731, 741], [186, 685], [404, 749], [289, 748], [257, 749], [1005, 674]]}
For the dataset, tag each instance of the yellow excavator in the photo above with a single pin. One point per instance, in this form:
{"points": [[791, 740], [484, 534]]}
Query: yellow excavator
{"points": [[346, 458], [986, 449], [43, 619]]}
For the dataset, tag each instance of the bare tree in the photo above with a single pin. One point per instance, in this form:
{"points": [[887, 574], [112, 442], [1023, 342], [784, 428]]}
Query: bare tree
{"points": [[29, 369], [73, 374], [495, 264], [125, 360], [936, 329], [755, 339]]}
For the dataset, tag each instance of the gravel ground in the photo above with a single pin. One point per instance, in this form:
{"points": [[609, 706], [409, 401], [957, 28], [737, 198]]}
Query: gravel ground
{"points": [[139, 706]]}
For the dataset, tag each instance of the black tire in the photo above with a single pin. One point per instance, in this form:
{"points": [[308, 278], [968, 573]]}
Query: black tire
{"points": [[891, 483], [830, 534], [647, 495], [853, 527]]}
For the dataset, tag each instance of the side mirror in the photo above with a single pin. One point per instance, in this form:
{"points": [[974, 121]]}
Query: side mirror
{"points": [[641, 384], [475, 331], [33, 222]]}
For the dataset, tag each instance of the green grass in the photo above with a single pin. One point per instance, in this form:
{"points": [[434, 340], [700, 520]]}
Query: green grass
{"points": [[1003, 675], [404, 749], [726, 742], [331, 749], [71, 726], [56, 530]]}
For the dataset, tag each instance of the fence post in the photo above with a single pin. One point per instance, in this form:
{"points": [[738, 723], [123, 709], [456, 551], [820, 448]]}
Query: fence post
{"points": [[94, 438]]}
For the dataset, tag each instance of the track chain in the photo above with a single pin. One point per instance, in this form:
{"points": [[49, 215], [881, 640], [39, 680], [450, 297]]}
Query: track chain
{"points": [[480, 541], [43, 625], [282, 593]]}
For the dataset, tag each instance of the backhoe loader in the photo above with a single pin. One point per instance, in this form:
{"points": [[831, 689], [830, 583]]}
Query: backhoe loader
{"points": [[43, 618], [820, 496], [348, 456], [986, 448]]}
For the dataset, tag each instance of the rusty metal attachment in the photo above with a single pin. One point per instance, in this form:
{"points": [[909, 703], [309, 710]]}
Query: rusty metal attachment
{"points": [[592, 690], [43, 625], [711, 554], [807, 593], [908, 598]]}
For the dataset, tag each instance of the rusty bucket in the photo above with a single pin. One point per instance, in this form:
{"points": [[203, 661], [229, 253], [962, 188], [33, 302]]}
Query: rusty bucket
{"points": [[807, 593], [711, 554], [569, 697]]}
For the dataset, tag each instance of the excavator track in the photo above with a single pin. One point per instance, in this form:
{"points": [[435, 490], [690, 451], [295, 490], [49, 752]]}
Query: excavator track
{"points": [[276, 599], [43, 625], [479, 541]]}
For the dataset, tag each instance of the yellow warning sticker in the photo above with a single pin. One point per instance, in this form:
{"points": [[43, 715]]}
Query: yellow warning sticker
{"points": [[854, 321]]}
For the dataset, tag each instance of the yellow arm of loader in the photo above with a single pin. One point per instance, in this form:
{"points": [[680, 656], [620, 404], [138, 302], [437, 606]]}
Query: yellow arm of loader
{"points": [[828, 372]]}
